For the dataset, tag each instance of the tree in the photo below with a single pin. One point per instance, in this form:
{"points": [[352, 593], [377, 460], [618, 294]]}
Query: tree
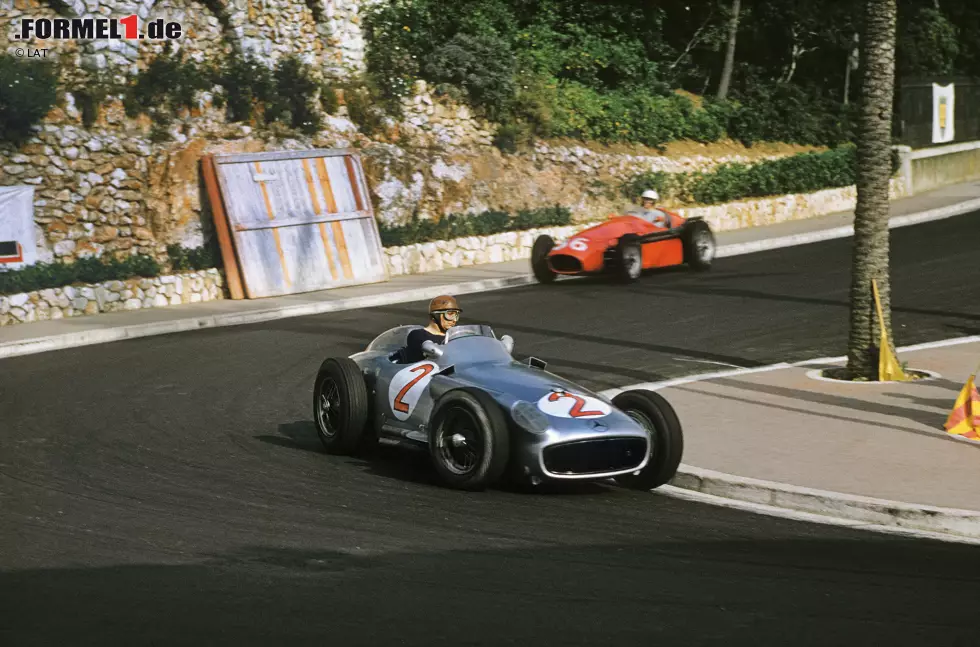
{"points": [[726, 74], [871, 242]]}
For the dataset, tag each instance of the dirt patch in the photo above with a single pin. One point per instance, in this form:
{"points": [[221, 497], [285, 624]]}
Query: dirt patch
{"points": [[689, 148]]}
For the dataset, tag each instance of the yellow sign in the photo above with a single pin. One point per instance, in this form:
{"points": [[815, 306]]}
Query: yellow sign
{"points": [[943, 111], [889, 370]]}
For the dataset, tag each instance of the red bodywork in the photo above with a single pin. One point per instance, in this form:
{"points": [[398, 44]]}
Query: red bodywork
{"points": [[585, 251]]}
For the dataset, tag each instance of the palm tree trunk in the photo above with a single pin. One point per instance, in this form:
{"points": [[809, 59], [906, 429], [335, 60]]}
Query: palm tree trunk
{"points": [[726, 74], [870, 259]]}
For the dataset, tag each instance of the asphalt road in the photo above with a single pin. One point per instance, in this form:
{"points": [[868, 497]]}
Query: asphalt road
{"points": [[171, 490]]}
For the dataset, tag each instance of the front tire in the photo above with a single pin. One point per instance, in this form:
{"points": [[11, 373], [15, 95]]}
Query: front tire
{"points": [[652, 411], [699, 245], [543, 245], [469, 441], [340, 405], [628, 259]]}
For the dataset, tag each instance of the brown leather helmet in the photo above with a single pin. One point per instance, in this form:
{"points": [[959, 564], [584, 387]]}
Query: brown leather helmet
{"points": [[442, 303]]}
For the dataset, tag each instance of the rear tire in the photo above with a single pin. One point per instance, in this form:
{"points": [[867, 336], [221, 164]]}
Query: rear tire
{"points": [[654, 413], [543, 245], [628, 259], [699, 245], [340, 405], [469, 441]]}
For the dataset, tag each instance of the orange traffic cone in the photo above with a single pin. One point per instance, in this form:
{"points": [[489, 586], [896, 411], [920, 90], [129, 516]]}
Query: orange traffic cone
{"points": [[964, 419]]}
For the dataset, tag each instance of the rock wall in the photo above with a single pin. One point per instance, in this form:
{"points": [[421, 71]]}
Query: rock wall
{"points": [[111, 296]]}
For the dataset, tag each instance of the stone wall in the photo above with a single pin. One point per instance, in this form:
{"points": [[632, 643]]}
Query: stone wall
{"points": [[111, 296]]}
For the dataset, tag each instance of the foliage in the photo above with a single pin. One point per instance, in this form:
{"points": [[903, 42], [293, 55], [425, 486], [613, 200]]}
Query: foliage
{"points": [[294, 88], [483, 224], [929, 41], [803, 173], [169, 83], [246, 82], [481, 66], [195, 258], [28, 91], [41, 276]]}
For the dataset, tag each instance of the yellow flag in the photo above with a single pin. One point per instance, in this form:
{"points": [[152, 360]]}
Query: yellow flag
{"points": [[889, 370], [964, 419]]}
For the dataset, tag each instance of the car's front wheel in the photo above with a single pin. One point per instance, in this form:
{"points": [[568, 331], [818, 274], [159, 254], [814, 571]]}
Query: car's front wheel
{"points": [[628, 258], [652, 411], [699, 245], [543, 245], [340, 405], [468, 440]]}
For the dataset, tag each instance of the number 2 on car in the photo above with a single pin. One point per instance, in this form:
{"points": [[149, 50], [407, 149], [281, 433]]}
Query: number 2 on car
{"points": [[407, 387]]}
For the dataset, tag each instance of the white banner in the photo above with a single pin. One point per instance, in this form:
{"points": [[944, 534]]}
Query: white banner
{"points": [[17, 222], [943, 111]]}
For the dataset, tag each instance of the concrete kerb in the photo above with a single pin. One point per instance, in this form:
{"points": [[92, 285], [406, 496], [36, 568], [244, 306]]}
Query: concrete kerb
{"points": [[822, 506]]}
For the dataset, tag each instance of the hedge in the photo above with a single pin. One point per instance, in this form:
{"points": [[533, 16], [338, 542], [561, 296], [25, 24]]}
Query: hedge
{"points": [[802, 173], [42, 276], [483, 224]]}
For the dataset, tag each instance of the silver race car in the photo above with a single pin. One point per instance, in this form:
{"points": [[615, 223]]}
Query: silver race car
{"points": [[482, 415]]}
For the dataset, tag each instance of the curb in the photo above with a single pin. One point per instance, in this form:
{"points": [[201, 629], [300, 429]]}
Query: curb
{"points": [[105, 335], [866, 510]]}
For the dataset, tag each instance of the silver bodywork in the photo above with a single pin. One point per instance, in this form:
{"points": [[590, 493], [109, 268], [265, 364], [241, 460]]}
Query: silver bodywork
{"points": [[547, 441]]}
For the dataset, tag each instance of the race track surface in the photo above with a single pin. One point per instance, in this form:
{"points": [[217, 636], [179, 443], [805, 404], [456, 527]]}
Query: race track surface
{"points": [[172, 490]]}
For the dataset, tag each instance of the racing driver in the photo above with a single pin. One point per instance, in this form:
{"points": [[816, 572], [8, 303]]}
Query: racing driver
{"points": [[444, 313]]}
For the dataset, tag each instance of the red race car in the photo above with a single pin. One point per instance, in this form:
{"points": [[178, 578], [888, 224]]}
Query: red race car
{"points": [[625, 246]]}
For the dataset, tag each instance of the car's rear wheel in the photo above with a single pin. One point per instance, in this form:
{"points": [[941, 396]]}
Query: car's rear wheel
{"points": [[628, 259], [652, 411], [543, 245], [340, 405], [699, 245], [468, 440]]}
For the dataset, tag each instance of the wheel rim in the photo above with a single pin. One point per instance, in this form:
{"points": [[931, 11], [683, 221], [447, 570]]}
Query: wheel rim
{"points": [[631, 258], [328, 408], [705, 246], [644, 421], [459, 442]]}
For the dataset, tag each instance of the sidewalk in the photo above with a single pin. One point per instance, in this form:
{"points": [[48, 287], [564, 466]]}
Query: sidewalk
{"points": [[23, 339], [879, 440]]}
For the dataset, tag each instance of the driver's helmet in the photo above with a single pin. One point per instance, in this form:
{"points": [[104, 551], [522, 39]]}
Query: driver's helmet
{"points": [[445, 306], [650, 194]]}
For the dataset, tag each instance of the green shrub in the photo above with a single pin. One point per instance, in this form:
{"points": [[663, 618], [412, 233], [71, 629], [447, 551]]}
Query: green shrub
{"points": [[481, 66], [294, 86], [28, 91], [41, 276], [193, 259], [168, 84], [483, 224], [245, 82], [803, 173]]}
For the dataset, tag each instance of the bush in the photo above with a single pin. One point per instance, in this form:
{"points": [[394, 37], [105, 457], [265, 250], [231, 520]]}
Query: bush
{"points": [[803, 173], [169, 83], [245, 82], [28, 91], [42, 276], [193, 259], [483, 224], [291, 103], [481, 66]]}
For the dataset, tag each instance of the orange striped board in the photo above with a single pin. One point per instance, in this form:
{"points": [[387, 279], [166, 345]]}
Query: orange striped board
{"points": [[300, 221]]}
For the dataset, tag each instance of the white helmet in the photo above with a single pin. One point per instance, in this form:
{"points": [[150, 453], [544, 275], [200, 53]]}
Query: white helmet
{"points": [[651, 194]]}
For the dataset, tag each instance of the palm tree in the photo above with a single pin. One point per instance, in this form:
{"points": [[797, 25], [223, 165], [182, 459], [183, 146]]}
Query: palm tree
{"points": [[870, 259]]}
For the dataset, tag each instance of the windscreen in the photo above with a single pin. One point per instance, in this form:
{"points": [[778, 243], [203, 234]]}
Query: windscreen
{"points": [[469, 330]]}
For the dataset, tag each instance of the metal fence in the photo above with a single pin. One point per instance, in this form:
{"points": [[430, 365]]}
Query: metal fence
{"points": [[299, 221], [914, 110]]}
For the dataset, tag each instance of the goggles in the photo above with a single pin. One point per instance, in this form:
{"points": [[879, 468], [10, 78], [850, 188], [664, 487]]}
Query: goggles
{"points": [[448, 314]]}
